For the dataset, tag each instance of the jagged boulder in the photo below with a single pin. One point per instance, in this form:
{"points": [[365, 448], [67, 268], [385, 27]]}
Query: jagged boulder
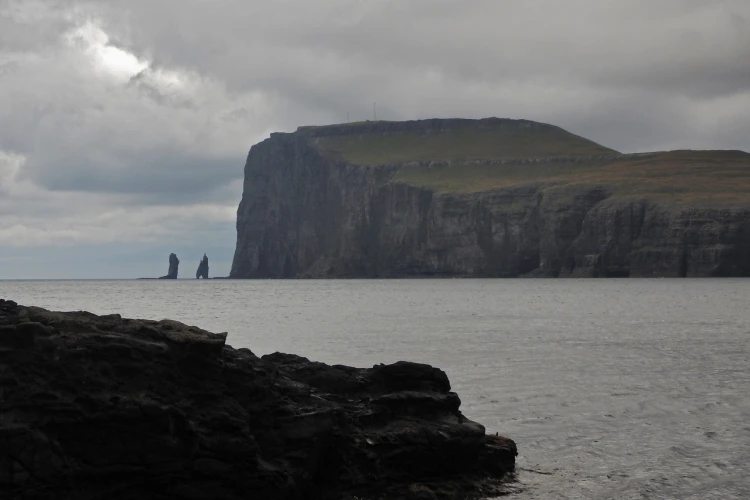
{"points": [[174, 264], [202, 271], [106, 407]]}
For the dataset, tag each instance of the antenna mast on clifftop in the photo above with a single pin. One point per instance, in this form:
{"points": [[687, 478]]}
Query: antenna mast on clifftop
{"points": [[375, 111]]}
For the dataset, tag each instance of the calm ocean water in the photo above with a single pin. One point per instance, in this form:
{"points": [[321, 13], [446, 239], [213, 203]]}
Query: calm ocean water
{"points": [[613, 389]]}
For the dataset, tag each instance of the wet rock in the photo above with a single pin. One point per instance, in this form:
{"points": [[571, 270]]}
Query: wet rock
{"points": [[108, 407], [411, 376], [202, 271], [174, 264]]}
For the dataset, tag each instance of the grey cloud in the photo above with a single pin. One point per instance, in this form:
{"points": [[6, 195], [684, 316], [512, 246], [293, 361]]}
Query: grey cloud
{"points": [[649, 44], [144, 172], [31, 25], [657, 64]]}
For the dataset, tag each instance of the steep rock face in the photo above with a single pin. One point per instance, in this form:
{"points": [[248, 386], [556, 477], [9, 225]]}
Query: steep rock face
{"points": [[98, 407], [202, 271], [306, 212], [638, 238], [174, 264]]}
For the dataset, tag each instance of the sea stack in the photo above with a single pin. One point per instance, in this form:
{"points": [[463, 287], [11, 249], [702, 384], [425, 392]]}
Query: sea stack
{"points": [[202, 271], [174, 263]]}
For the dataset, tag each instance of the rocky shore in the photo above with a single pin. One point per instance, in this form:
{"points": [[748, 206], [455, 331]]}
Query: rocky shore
{"points": [[98, 407]]}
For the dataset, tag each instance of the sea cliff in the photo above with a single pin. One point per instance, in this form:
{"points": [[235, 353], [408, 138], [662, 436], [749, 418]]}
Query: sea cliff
{"points": [[486, 198]]}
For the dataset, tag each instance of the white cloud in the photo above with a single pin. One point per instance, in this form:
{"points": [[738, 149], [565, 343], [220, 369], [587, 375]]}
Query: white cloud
{"points": [[106, 59]]}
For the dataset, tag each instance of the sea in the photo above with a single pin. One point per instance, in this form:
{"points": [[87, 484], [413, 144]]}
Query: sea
{"points": [[612, 389]]}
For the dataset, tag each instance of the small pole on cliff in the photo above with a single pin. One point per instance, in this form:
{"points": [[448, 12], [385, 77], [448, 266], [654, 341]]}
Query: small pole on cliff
{"points": [[375, 111]]}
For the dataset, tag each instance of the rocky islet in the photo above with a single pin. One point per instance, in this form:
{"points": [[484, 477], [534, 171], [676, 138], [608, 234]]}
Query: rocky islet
{"points": [[202, 271], [174, 264]]}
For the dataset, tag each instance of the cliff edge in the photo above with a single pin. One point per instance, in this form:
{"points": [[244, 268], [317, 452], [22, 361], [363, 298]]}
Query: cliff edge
{"points": [[486, 198]]}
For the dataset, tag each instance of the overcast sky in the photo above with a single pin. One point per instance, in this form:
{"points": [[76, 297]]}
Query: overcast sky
{"points": [[124, 124]]}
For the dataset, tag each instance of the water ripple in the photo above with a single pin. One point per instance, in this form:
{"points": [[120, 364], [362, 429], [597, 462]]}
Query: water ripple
{"points": [[613, 389]]}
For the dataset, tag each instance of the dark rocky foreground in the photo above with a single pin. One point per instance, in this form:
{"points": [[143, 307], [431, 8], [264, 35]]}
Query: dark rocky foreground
{"points": [[96, 407]]}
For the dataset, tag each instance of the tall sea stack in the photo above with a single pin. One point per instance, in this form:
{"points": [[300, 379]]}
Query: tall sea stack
{"points": [[486, 198], [202, 271], [174, 263]]}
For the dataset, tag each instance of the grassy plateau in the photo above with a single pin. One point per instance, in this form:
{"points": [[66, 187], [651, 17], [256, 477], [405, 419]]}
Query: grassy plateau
{"points": [[482, 155]]}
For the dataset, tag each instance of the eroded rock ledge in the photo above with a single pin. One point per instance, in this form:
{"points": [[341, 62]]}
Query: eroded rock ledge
{"points": [[98, 407]]}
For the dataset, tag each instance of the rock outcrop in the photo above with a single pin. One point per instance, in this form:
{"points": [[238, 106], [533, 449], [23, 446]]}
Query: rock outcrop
{"points": [[105, 407], [317, 203], [174, 264], [202, 271]]}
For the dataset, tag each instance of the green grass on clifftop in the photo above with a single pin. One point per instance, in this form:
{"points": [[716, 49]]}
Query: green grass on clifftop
{"points": [[687, 177], [482, 155], [376, 143]]}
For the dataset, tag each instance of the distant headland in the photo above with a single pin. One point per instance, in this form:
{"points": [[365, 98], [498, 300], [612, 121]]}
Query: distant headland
{"points": [[486, 198]]}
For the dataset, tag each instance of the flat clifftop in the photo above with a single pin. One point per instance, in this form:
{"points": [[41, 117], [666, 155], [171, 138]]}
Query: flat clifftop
{"points": [[469, 156], [108, 407], [675, 177], [429, 125], [388, 143]]}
